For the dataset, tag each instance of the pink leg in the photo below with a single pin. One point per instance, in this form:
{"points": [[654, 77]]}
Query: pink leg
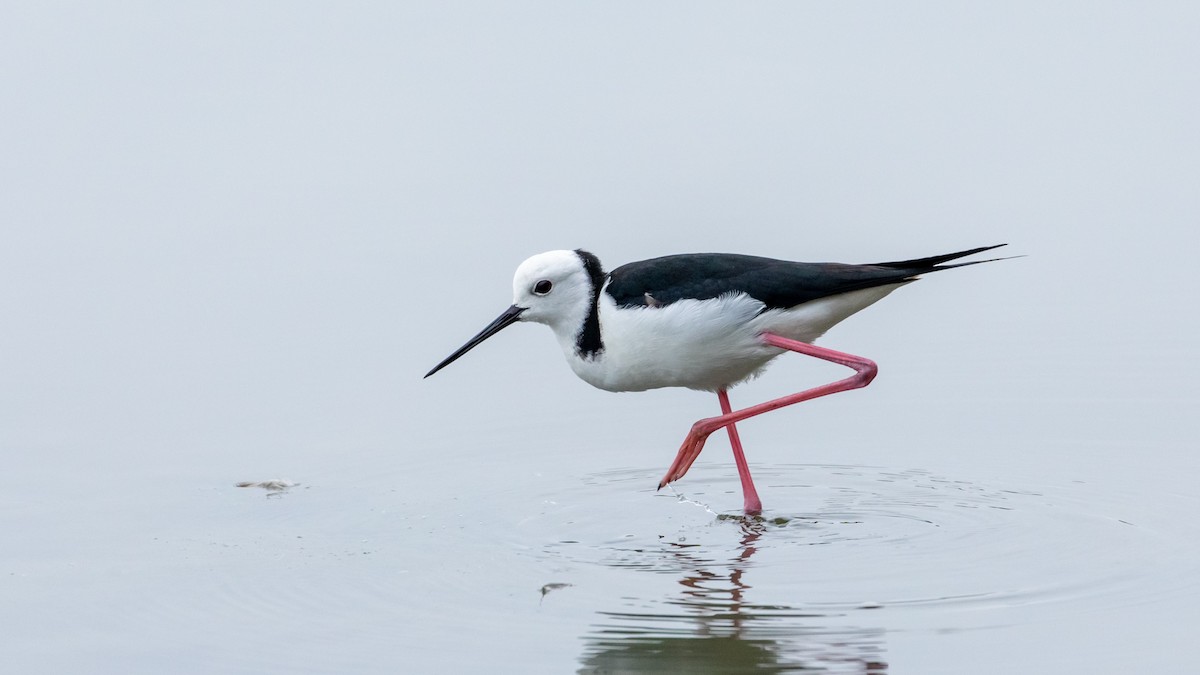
{"points": [[753, 505], [865, 370]]}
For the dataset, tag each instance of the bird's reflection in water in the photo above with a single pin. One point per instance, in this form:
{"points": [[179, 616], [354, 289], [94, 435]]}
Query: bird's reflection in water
{"points": [[713, 626]]}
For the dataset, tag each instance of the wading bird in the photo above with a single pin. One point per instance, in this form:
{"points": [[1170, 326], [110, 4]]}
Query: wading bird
{"points": [[703, 321]]}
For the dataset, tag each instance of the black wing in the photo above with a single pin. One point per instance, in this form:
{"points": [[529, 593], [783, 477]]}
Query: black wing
{"points": [[779, 284]]}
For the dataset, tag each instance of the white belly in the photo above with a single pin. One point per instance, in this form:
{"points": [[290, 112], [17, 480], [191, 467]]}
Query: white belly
{"points": [[702, 344]]}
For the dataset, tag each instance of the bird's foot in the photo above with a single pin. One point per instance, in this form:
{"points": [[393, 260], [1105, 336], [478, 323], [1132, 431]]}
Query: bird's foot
{"points": [[690, 450]]}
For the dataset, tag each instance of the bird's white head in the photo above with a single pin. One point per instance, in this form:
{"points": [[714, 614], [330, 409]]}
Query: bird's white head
{"points": [[557, 288], [554, 288]]}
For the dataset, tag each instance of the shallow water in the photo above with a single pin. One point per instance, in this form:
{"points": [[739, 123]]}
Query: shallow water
{"points": [[869, 569]]}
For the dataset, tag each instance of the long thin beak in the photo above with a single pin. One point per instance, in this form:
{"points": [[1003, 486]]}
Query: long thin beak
{"points": [[506, 318]]}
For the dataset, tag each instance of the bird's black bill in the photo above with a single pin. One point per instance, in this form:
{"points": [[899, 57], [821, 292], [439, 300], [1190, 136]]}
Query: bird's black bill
{"points": [[508, 317]]}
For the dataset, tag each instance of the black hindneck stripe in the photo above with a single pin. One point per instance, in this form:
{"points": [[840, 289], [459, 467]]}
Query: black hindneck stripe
{"points": [[589, 342]]}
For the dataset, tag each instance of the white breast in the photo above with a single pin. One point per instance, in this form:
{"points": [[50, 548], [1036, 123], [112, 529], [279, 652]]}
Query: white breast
{"points": [[702, 344]]}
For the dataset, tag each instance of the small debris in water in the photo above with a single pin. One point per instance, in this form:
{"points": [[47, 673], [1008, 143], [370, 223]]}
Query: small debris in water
{"points": [[552, 587], [273, 485]]}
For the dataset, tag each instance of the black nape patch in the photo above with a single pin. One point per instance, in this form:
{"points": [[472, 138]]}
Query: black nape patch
{"points": [[589, 342]]}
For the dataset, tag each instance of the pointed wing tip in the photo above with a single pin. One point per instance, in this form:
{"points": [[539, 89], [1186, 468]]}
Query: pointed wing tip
{"points": [[981, 249], [938, 262]]}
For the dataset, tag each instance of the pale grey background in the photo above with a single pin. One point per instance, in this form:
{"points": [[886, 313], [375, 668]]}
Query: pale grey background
{"points": [[236, 235]]}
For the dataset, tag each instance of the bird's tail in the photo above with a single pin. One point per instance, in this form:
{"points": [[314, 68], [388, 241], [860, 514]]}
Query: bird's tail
{"points": [[934, 263]]}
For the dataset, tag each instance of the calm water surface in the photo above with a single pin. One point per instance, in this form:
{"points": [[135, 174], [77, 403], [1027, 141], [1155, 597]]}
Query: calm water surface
{"points": [[867, 569]]}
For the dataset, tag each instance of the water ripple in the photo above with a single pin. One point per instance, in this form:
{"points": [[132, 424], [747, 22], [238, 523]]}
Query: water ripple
{"points": [[870, 547]]}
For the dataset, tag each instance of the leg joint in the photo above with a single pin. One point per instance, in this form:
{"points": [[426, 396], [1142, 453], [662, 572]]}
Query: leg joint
{"points": [[867, 370]]}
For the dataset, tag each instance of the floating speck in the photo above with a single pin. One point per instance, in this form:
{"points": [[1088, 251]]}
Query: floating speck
{"points": [[274, 484], [552, 587]]}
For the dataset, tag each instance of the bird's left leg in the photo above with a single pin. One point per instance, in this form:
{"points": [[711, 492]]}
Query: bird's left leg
{"points": [[865, 370], [753, 505]]}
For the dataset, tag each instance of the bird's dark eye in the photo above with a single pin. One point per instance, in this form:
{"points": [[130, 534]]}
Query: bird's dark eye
{"points": [[542, 287]]}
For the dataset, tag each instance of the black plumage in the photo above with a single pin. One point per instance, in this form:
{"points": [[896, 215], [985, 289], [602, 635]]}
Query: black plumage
{"points": [[778, 284]]}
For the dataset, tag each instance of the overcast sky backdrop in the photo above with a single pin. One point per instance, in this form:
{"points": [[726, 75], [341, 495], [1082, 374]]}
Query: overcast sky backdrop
{"points": [[229, 221]]}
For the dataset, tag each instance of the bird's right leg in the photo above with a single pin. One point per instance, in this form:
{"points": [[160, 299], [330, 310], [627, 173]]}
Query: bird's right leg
{"points": [[865, 370]]}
